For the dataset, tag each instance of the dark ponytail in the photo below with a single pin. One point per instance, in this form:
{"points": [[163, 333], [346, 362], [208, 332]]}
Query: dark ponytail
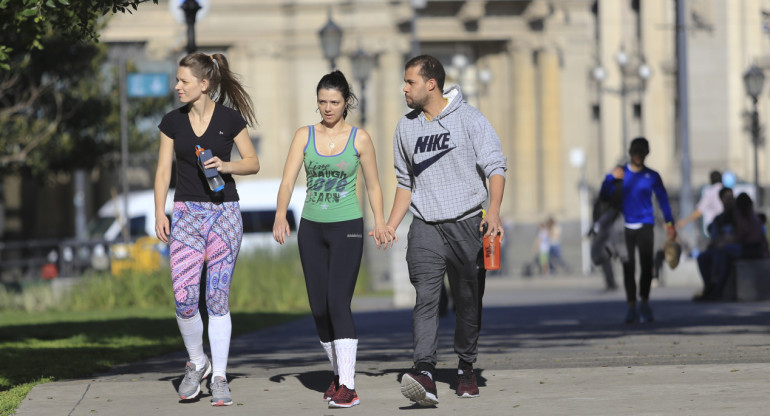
{"points": [[225, 88], [336, 81]]}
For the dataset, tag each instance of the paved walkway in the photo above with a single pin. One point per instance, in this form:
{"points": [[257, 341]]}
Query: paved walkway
{"points": [[550, 346]]}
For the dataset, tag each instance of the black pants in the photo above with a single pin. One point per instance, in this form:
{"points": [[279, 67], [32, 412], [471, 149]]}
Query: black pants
{"points": [[331, 256], [643, 240]]}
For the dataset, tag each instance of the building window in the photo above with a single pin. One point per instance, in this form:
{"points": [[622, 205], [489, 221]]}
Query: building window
{"points": [[596, 112]]}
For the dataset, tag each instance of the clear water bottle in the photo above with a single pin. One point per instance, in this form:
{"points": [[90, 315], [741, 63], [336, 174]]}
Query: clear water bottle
{"points": [[214, 179]]}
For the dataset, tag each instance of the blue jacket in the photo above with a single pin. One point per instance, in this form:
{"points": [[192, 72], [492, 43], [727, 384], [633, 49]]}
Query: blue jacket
{"points": [[637, 195]]}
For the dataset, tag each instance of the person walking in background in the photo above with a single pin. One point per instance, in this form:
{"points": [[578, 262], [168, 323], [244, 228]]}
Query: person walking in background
{"points": [[608, 233], [330, 234], [709, 205], [206, 226], [555, 259], [639, 183], [444, 153], [542, 248]]}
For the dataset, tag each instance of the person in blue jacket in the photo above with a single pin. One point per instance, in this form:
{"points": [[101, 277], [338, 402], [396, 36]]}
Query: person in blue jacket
{"points": [[639, 183]]}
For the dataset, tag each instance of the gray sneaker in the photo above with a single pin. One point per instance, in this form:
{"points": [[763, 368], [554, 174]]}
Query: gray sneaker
{"points": [[220, 392], [191, 384]]}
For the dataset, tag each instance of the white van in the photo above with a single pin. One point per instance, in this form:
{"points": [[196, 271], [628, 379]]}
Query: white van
{"points": [[257, 202]]}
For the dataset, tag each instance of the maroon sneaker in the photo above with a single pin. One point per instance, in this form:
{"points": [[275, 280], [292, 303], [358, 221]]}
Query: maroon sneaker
{"points": [[466, 384], [344, 397], [332, 388], [419, 388]]}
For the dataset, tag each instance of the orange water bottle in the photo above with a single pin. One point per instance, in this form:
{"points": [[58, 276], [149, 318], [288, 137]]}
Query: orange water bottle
{"points": [[492, 252], [491, 247]]}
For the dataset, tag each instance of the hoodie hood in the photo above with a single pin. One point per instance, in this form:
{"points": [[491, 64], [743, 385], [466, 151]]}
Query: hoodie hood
{"points": [[454, 97]]}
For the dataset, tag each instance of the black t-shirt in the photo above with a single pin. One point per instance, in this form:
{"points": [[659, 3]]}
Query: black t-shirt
{"points": [[191, 184]]}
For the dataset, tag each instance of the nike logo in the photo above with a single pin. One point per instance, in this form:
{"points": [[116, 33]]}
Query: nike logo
{"points": [[418, 168]]}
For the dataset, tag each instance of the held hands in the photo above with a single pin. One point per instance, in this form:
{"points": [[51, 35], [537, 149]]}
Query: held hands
{"points": [[281, 230], [384, 236]]}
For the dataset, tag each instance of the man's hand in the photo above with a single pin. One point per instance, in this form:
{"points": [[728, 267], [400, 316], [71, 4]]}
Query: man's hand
{"points": [[670, 231], [494, 225]]}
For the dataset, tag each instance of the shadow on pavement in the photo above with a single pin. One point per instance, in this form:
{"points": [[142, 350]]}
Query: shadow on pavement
{"points": [[576, 334]]}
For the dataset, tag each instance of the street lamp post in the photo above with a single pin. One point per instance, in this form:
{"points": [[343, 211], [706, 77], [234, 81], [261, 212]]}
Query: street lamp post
{"points": [[331, 41], [622, 59], [362, 69], [577, 158], [599, 74], [460, 61], [121, 52], [416, 6], [754, 80], [643, 72], [190, 9]]}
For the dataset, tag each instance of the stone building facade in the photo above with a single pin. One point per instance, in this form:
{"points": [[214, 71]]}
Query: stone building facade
{"points": [[530, 66]]}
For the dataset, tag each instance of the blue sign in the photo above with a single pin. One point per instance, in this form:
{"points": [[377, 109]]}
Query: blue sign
{"points": [[145, 85]]}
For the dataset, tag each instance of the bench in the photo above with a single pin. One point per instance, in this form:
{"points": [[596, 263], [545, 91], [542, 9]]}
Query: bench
{"points": [[749, 282]]}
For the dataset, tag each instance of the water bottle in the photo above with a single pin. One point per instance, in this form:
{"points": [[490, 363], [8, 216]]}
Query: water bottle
{"points": [[490, 248], [492, 252], [214, 179]]}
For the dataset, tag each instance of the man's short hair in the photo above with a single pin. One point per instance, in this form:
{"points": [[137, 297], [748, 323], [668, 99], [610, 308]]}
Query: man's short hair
{"points": [[430, 67], [639, 146], [723, 191], [715, 176]]}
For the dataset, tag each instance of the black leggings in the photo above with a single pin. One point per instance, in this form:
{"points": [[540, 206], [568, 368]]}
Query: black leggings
{"points": [[331, 256], [643, 239]]}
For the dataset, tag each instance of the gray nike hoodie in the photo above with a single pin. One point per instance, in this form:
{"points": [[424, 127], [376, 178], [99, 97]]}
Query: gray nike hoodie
{"points": [[445, 162]]}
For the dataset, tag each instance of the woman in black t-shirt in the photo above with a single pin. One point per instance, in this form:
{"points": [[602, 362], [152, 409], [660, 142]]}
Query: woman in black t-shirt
{"points": [[205, 225]]}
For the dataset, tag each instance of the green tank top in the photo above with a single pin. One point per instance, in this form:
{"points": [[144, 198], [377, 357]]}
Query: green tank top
{"points": [[331, 182]]}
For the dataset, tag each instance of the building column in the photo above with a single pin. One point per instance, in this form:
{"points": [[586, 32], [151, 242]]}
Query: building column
{"points": [[550, 131], [611, 20], [524, 161]]}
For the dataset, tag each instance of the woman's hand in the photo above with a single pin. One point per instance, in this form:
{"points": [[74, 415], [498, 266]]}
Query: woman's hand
{"points": [[162, 229], [384, 236], [220, 165], [281, 230]]}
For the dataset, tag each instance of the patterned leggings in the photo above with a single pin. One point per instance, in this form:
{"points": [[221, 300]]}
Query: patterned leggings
{"points": [[204, 231]]}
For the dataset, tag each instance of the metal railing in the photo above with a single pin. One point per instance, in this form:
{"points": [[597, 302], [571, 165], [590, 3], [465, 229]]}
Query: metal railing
{"points": [[35, 259]]}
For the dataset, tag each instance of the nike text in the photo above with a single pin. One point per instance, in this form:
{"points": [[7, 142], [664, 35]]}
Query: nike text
{"points": [[432, 143]]}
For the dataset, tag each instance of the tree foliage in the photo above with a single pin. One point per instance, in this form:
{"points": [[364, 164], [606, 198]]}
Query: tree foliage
{"points": [[59, 103], [60, 111], [24, 23]]}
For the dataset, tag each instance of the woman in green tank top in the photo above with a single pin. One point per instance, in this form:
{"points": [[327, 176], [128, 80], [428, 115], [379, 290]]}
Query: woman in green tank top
{"points": [[330, 235]]}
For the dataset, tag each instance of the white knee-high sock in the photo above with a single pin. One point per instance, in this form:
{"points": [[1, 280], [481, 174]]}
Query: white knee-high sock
{"points": [[192, 335], [329, 348], [220, 328], [346, 349]]}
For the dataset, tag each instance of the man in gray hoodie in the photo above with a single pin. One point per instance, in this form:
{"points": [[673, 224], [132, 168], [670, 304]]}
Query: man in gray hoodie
{"points": [[444, 152]]}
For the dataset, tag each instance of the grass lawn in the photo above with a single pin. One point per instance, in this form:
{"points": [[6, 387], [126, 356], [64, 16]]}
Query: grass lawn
{"points": [[47, 346], [112, 320]]}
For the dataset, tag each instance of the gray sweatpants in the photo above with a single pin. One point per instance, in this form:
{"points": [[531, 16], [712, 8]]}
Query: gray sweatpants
{"points": [[453, 248]]}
